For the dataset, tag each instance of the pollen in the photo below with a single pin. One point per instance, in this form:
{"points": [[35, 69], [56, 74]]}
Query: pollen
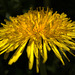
{"points": [[43, 30]]}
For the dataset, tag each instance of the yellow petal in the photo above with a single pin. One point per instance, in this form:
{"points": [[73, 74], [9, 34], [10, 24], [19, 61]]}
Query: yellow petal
{"points": [[56, 52], [37, 65], [5, 46], [45, 52], [28, 51], [60, 44], [69, 42], [6, 49], [3, 42], [18, 53], [72, 48], [67, 37], [36, 52], [64, 54], [37, 58], [14, 58], [13, 47], [31, 59], [49, 49], [16, 45], [71, 34]]}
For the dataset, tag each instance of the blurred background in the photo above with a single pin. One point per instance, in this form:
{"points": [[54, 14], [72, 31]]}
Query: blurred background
{"points": [[53, 66]]}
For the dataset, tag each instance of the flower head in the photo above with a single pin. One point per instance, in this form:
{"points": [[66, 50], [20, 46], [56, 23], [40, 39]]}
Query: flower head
{"points": [[42, 30]]}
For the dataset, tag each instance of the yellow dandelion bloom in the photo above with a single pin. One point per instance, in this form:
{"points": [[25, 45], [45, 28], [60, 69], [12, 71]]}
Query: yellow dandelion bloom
{"points": [[42, 30]]}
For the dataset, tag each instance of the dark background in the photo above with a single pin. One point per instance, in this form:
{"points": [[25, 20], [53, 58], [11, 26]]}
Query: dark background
{"points": [[53, 66]]}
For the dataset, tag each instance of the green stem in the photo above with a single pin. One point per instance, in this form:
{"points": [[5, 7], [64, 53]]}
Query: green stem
{"points": [[42, 68]]}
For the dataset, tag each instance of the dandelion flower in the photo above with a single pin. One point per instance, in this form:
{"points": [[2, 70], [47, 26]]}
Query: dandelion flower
{"points": [[41, 31]]}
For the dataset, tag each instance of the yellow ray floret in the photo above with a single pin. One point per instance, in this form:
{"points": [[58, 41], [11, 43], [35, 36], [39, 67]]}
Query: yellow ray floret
{"points": [[44, 52], [40, 32], [18, 53], [31, 58]]}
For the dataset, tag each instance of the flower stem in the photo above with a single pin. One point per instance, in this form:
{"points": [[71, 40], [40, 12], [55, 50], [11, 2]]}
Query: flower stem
{"points": [[42, 68]]}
